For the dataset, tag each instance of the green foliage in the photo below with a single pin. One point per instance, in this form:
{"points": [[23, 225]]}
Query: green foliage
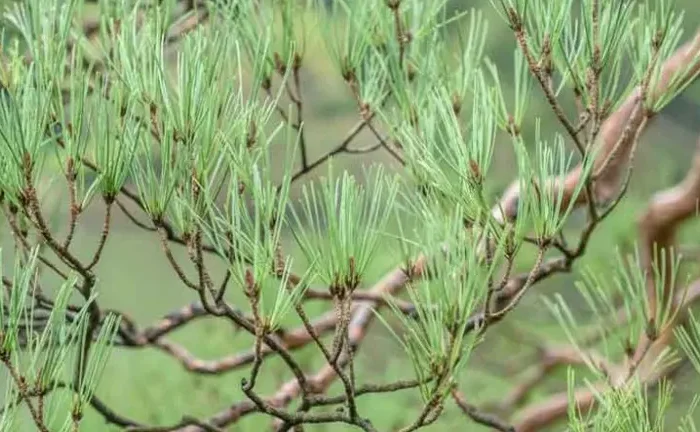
{"points": [[205, 152], [38, 361]]}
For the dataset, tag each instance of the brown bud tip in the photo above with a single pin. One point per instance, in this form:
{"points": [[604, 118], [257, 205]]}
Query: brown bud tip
{"points": [[456, 104], [364, 110], [348, 74], [651, 330], [393, 4], [250, 287], [474, 167], [410, 72], [279, 64]]}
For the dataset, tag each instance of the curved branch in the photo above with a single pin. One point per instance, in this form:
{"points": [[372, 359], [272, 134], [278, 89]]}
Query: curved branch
{"points": [[613, 138], [556, 406], [357, 330], [666, 211]]}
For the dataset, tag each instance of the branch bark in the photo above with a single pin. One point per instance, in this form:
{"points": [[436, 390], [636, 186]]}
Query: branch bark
{"points": [[554, 408], [664, 215], [613, 139], [362, 317]]}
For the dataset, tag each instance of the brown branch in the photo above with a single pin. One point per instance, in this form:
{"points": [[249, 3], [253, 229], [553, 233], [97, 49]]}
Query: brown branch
{"points": [[23, 390], [555, 407], [667, 210], [478, 416], [385, 144], [103, 236], [628, 115], [73, 206], [324, 377], [362, 312], [619, 133], [21, 242], [248, 407], [362, 316], [172, 261], [340, 148], [542, 414], [362, 295], [348, 381], [152, 335], [658, 226], [97, 404], [190, 23], [298, 102], [366, 389], [292, 340], [165, 325], [550, 359]]}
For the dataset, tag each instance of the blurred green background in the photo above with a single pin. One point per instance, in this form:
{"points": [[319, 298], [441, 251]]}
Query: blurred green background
{"points": [[134, 276]]}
